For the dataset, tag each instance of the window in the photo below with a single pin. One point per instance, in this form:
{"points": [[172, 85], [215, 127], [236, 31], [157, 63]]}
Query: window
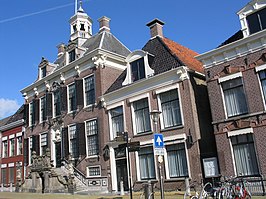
{"points": [[137, 69], [30, 149], [234, 97], [117, 120], [74, 27], [31, 114], [94, 171], [262, 75], [89, 91], [72, 55], [92, 137], [257, 21], [71, 97], [42, 109], [146, 163], [12, 146], [19, 145], [170, 106], [142, 116], [4, 176], [177, 161], [82, 27], [44, 143], [43, 72], [245, 155], [73, 141], [57, 105], [4, 148], [11, 175]]}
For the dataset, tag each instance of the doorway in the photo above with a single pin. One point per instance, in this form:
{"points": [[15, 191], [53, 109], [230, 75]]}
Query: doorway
{"points": [[58, 154], [122, 175]]}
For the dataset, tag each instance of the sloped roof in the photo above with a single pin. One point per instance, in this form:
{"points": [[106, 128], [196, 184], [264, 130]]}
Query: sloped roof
{"points": [[17, 116], [106, 41], [4, 121], [184, 54], [237, 36], [167, 55]]}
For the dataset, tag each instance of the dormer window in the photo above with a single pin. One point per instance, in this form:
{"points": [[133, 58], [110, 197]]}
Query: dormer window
{"points": [[137, 69], [72, 55], [43, 72], [138, 66], [257, 21]]}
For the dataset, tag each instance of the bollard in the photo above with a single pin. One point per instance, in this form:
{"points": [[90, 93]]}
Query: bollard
{"points": [[187, 186], [2, 187], [122, 188], [148, 189]]}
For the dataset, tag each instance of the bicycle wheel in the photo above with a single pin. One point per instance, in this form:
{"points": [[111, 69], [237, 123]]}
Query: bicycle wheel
{"points": [[194, 197]]}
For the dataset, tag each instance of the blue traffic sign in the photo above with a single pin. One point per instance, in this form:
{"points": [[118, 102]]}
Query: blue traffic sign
{"points": [[158, 140]]}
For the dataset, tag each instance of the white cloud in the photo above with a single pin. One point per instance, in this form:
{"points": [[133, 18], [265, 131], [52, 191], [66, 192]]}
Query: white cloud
{"points": [[8, 107]]}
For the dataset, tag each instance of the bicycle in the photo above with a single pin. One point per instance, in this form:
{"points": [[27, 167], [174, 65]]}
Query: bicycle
{"points": [[197, 195]]}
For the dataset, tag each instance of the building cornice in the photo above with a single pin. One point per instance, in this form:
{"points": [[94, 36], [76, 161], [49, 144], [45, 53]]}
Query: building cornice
{"points": [[12, 125], [242, 47]]}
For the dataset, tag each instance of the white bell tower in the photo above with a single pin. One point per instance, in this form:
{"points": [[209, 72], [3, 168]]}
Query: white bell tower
{"points": [[80, 25]]}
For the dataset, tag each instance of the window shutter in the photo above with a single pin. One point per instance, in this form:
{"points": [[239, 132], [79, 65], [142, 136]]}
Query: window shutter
{"points": [[65, 142], [36, 111], [26, 114], [26, 151], [81, 139], [36, 144], [49, 105], [63, 98], [79, 93]]}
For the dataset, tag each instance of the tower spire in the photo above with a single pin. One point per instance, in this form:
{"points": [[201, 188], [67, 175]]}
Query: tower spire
{"points": [[76, 6]]}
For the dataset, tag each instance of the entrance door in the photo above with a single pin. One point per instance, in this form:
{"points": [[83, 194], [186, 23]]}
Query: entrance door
{"points": [[58, 154], [122, 175]]}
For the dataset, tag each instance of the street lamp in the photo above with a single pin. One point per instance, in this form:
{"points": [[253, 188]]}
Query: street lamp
{"points": [[155, 118]]}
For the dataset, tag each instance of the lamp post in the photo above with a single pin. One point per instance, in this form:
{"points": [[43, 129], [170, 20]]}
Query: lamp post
{"points": [[155, 118]]}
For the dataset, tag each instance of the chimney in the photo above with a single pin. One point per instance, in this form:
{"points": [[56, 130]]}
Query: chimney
{"points": [[156, 28], [104, 24], [60, 49]]}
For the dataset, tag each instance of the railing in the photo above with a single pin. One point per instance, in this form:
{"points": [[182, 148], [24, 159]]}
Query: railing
{"points": [[256, 185]]}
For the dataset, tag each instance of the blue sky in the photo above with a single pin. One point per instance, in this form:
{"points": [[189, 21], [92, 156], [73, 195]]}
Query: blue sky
{"points": [[30, 30]]}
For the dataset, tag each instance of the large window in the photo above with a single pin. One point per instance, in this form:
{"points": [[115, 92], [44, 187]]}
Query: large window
{"points": [[11, 175], [177, 161], [234, 97], [73, 141], [89, 91], [31, 114], [245, 155], [92, 137], [146, 163], [262, 75], [5, 148], [57, 104], [257, 21], [71, 97], [170, 108], [137, 69], [44, 143], [42, 109], [19, 145], [117, 120], [4, 176], [12, 146], [142, 116]]}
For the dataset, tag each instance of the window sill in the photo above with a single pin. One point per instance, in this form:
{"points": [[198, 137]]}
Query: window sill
{"points": [[143, 134], [92, 157], [176, 179], [172, 128]]}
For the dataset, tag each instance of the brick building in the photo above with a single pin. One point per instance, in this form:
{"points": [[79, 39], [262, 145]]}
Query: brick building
{"points": [[235, 74], [62, 106], [163, 76], [12, 159]]}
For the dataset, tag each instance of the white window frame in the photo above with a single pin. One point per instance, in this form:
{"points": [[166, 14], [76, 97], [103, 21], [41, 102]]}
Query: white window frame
{"points": [[30, 140], [84, 93], [5, 148], [109, 108], [68, 101], [166, 89], [40, 108], [53, 102], [69, 140], [18, 137], [134, 99], [258, 69], [14, 144], [88, 171], [40, 141], [31, 118], [91, 156]]}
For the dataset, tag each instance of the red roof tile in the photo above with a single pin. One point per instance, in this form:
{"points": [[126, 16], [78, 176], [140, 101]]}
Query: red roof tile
{"points": [[184, 54]]}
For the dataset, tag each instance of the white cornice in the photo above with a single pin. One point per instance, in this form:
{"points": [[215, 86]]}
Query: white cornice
{"points": [[253, 43], [12, 125]]}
